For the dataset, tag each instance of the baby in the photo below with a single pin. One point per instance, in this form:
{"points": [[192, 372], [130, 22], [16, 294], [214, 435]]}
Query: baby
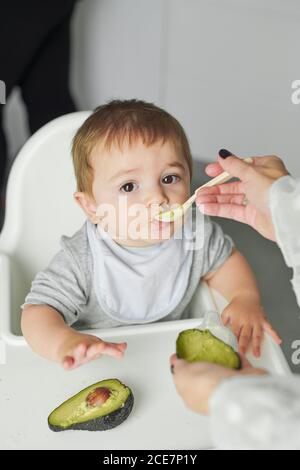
{"points": [[132, 160]]}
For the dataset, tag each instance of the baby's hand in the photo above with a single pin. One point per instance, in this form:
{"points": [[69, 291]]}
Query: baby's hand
{"points": [[80, 348], [248, 322]]}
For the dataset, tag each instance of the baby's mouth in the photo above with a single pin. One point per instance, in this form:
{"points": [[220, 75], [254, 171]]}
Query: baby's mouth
{"points": [[159, 228], [159, 223], [162, 208]]}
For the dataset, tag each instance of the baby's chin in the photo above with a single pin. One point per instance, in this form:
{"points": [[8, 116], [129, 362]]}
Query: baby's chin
{"points": [[157, 232], [161, 230]]}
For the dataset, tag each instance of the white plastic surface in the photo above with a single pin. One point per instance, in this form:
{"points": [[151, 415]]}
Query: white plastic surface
{"points": [[31, 387]]}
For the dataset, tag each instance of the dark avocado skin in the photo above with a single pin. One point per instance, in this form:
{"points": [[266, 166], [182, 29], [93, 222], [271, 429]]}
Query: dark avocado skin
{"points": [[102, 423]]}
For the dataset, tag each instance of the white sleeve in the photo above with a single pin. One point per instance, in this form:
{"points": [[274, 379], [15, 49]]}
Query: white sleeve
{"points": [[285, 209], [256, 413]]}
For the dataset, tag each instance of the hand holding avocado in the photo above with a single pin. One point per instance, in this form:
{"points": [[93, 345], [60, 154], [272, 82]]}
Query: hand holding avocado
{"points": [[196, 382], [79, 348], [201, 363]]}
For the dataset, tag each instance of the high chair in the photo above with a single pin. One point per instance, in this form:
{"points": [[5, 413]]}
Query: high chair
{"points": [[40, 209]]}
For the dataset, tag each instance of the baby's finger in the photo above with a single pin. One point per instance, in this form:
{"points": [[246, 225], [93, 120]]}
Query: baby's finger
{"points": [[68, 363], [244, 338], [257, 338], [269, 329], [121, 347], [236, 328], [245, 362], [94, 349], [79, 352], [111, 349], [225, 318]]}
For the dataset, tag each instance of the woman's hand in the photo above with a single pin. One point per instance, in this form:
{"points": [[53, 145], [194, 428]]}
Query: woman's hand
{"points": [[246, 200], [196, 382]]}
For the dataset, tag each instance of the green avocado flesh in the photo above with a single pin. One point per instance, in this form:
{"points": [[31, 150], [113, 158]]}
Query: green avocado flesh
{"points": [[201, 346], [99, 407]]}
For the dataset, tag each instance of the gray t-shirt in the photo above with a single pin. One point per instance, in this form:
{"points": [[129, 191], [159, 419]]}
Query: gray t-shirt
{"points": [[67, 283]]}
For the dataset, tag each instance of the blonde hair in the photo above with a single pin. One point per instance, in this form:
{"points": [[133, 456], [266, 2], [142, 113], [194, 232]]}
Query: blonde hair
{"points": [[121, 122]]}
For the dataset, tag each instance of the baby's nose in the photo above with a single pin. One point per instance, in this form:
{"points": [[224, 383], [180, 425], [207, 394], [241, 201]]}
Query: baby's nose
{"points": [[158, 199]]}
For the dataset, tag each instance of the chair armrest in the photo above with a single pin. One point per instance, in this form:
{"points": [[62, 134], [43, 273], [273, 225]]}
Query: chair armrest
{"points": [[5, 304], [203, 300], [273, 359], [4, 294]]}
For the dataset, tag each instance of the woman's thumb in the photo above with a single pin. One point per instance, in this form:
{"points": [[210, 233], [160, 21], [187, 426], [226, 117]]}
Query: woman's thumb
{"points": [[233, 165]]}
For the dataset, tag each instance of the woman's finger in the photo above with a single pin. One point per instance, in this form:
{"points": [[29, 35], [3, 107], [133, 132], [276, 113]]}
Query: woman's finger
{"points": [[236, 187], [173, 359], [213, 169], [227, 211], [221, 199]]}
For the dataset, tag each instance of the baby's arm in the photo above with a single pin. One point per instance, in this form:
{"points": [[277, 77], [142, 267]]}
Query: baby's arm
{"points": [[236, 282], [47, 334]]}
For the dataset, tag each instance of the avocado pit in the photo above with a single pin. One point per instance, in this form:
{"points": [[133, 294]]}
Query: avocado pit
{"points": [[98, 397]]}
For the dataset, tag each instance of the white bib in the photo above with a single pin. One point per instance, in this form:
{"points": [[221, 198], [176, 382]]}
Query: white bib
{"points": [[140, 285]]}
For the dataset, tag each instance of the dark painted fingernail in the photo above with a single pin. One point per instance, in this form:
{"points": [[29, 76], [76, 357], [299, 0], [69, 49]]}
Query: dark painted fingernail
{"points": [[225, 153], [172, 369]]}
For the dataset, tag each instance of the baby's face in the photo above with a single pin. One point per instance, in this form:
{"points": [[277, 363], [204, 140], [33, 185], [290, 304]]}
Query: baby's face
{"points": [[131, 185]]}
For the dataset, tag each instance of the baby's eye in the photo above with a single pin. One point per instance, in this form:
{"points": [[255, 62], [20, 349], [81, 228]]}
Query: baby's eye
{"points": [[128, 187], [170, 179]]}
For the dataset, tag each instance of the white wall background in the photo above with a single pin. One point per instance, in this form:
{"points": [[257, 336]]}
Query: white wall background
{"points": [[223, 67]]}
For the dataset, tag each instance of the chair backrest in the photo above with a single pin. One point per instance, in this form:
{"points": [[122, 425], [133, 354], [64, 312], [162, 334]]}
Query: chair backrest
{"points": [[40, 207]]}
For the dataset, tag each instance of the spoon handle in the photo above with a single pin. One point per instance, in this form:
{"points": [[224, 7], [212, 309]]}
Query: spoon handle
{"points": [[222, 178]]}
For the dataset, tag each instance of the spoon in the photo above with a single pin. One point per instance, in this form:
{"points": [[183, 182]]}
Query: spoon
{"points": [[174, 214]]}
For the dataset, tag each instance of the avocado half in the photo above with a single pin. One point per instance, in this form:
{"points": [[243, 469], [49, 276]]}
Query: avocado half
{"points": [[99, 407], [200, 345]]}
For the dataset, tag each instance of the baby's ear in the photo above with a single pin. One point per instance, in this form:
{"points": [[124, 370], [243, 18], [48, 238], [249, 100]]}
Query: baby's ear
{"points": [[88, 205]]}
